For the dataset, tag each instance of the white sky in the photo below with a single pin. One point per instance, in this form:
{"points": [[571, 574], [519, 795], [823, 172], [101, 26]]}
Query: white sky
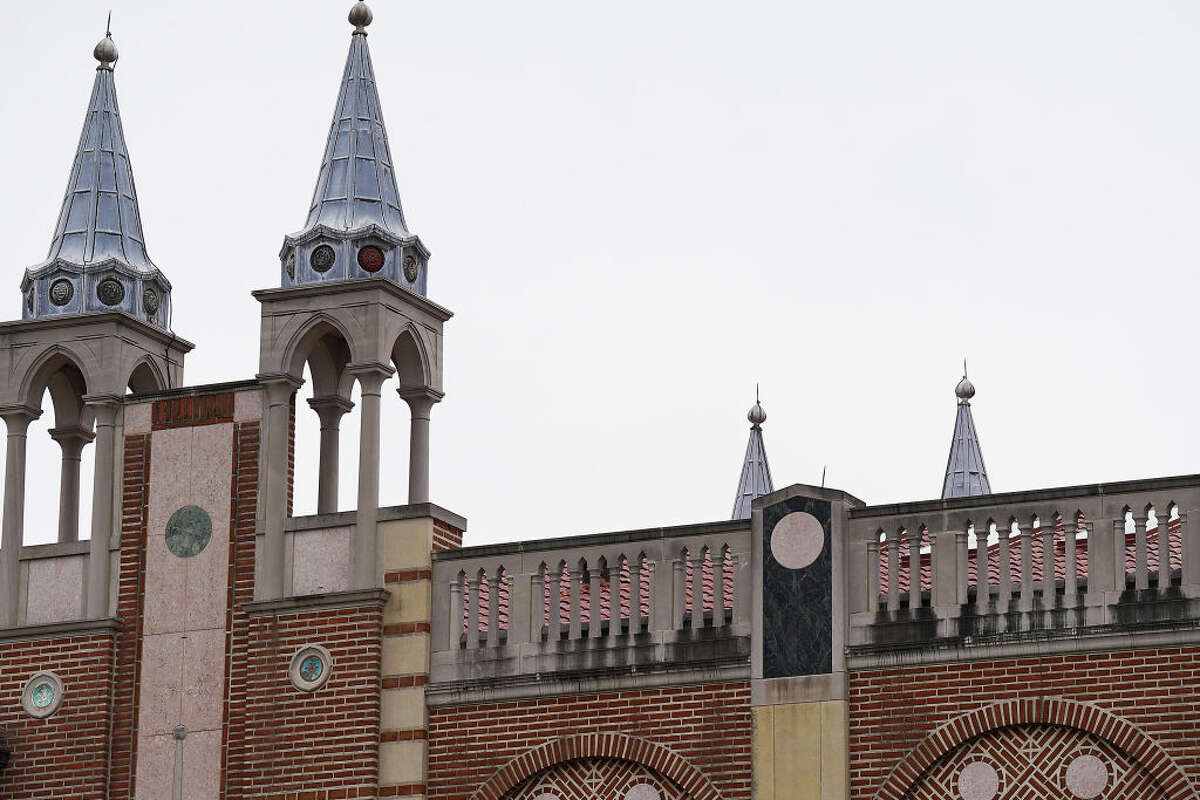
{"points": [[639, 209]]}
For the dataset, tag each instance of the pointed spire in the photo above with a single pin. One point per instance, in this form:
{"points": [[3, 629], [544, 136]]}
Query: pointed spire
{"points": [[966, 475], [756, 472], [355, 226], [97, 259]]}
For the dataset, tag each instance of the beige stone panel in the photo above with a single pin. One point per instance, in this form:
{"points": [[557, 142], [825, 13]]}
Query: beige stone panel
{"points": [[406, 655], [406, 543], [211, 471], [247, 406], [321, 560], [403, 709], [170, 468], [137, 419], [762, 753], [410, 602], [162, 667], [166, 597], [55, 591], [402, 762], [834, 751], [155, 767], [797, 751], [202, 680], [202, 765]]}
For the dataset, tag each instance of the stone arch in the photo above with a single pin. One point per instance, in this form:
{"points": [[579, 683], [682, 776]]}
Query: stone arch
{"points": [[1057, 711], [41, 371], [318, 332], [145, 376], [411, 359], [643, 752]]}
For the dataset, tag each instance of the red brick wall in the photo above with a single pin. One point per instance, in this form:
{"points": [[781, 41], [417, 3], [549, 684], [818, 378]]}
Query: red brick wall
{"points": [[66, 755], [709, 726], [892, 710], [446, 537], [319, 745]]}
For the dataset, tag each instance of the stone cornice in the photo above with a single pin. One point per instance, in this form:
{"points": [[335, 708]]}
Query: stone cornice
{"points": [[297, 605], [349, 285]]}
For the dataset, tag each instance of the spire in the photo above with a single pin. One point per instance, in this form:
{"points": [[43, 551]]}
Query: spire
{"points": [[97, 259], [355, 226], [966, 475], [756, 472]]}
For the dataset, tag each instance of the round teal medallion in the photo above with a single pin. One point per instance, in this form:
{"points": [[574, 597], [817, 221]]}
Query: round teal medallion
{"points": [[188, 531], [43, 695]]}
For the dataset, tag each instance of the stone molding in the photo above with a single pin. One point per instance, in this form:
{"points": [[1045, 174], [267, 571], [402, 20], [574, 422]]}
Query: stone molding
{"points": [[661, 759], [342, 519], [297, 605], [1058, 711], [56, 630]]}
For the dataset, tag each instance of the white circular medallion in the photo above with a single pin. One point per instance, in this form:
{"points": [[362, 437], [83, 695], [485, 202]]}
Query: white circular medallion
{"points": [[310, 668], [1087, 776], [797, 540], [978, 781], [642, 791], [42, 695]]}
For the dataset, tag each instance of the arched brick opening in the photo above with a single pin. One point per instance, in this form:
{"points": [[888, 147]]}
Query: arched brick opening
{"points": [[1040, 711], [661, 759]]}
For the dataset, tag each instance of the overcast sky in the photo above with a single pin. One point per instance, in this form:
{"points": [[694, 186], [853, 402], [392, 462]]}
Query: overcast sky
{"points": [[638, 210]]}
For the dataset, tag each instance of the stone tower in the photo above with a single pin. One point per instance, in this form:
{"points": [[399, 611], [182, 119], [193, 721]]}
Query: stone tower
{"points": [[352, 307]]}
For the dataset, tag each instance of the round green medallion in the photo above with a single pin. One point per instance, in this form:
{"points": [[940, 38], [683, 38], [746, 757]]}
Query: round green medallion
{"points": [[188, 531]]}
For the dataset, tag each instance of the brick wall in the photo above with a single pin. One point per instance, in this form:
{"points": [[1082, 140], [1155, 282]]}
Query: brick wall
{"points": [[708, 725], [892, 710], [66, 755], [446, 537], [319, 745]]}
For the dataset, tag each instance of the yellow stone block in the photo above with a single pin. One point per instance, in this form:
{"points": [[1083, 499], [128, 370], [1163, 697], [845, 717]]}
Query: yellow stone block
{"points": [[835, 779], [762, 745], [403, 709], [406, 655], [410, 602], [798, 751], [406, 544], [402, 762]]}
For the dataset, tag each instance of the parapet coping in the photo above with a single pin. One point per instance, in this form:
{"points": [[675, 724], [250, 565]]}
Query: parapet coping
{"points": [[1029, 496], [346, 519], [322, 289], [594, 539], [166, 337], [195, 391], [55, 630], [295, 605]]}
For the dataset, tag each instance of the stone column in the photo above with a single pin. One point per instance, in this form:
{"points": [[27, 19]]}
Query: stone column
{"points": [[370, 381], [72, 442], [330, 410], [420, 402], [17, 422], [278, 390], [105, 409]]}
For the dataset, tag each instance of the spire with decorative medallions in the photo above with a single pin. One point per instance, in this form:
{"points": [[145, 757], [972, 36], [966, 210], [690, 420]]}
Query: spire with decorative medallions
{"points": [[756, 472], [966, 475], [97, 259], [355, 226]]}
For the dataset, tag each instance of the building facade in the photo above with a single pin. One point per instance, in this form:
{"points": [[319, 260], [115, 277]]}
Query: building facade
{"points": [[207, 643]]}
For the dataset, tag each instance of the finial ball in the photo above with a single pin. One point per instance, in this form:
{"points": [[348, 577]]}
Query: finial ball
{"points": [[361, 16], [106, 52], [757, 416], [965, 389]]}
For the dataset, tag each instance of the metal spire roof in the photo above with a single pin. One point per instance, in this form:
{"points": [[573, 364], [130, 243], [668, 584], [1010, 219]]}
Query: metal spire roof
{"points": [[97, 259], [756, 472], [966, 475], [355, 226]]}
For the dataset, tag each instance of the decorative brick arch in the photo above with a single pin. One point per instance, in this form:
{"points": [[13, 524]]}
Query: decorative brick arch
{"points": [[661, 759], [1040, 711]]}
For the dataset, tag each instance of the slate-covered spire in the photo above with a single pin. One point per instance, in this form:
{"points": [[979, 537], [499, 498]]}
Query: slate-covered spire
{"points": [[97, 259], [355, 226], [965, 474], [756, 472]]}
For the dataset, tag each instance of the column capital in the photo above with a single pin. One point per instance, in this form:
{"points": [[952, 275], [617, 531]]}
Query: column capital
{"points": [[18, 417], [371, 375], [330, 409], [420, 399], [280, 386], [72, 440]]}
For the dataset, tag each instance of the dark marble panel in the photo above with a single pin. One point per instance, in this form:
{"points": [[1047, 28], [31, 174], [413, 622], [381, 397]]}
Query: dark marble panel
{"points": [[797, 604]]}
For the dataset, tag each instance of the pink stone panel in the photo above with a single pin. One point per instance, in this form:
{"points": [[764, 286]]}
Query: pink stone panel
{"points": [[55, 592]]}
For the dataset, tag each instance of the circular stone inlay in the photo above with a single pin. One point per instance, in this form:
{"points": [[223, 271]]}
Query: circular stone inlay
{"points": [[43, 695], [310, 668], [797, 540], [322, 258], [410, 269], [1087, 776], [110, 291], [61, 292], [370, 258], [188, 531], [642, 791], [978, 781]]}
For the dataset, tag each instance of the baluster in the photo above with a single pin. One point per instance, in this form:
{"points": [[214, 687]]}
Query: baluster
{"points": [[1141, 570], [679, 572], [456, 612], [575, 611], [893, 546], [493, 631], [554, 623], [595, 623], [719, 588], [1070, 566], [1048, 571], [1004, 588], [962, 559], [635, 595], [914, 569], [473, 613], [1025, 535], [742, 580], [662, 593], [1164, 550], [521, 619], [873, 573]]}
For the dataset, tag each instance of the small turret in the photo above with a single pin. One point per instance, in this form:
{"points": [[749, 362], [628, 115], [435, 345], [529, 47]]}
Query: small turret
{"points": [[756, 472], [966, 475]]}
